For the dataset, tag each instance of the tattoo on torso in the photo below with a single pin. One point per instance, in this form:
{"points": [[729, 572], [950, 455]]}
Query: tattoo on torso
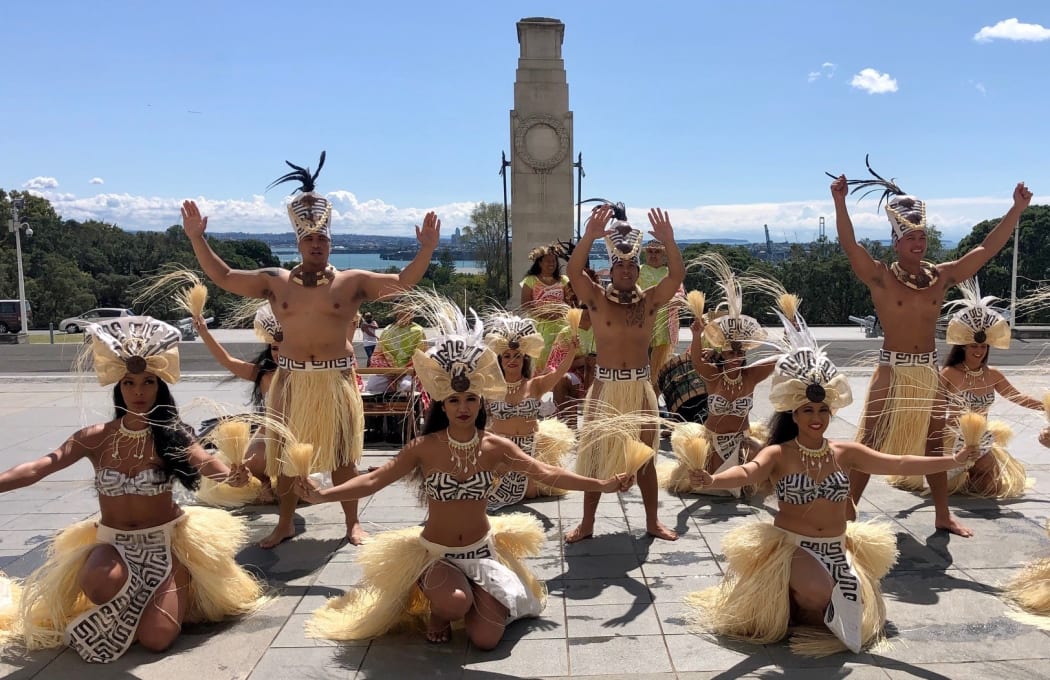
{"points": [[635, 314]]}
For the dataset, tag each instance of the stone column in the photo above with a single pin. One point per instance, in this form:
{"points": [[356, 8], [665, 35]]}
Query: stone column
{"points": [[541, 146]]}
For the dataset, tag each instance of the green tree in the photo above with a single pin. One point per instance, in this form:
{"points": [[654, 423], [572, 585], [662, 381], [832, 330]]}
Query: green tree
{"points": [[485, 238]]}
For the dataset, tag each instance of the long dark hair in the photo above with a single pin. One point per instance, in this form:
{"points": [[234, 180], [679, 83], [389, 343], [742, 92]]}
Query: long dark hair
{"points": [[437, 420], [782, 428], [957, 355], [536, 268], [171, 436], [526, 365], [264, 365]]}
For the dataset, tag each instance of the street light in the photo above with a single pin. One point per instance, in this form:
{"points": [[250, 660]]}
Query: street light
{"points": [[504, 164], [579, 191], [16, 225]]}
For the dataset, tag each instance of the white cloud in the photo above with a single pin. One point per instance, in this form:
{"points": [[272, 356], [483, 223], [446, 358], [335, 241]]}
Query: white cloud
{"points": [[827, 70], [41, 183], [1012, 29], [979, 86], [97, 180], [873, 82], [791, 221]]}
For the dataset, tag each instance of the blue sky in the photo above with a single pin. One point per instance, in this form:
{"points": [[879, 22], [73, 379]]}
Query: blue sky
{"points": [[727, 114]]}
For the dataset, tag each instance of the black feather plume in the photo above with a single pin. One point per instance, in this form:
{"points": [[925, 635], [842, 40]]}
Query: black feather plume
{"points": [[887, 186], [305, 178], [619, 209]]}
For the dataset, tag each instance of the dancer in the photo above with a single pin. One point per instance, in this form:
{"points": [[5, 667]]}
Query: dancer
{"points": [[146, 565], [573, 386], [314, 392], [461, 564], [542, 290], [809, 567], [730, 385], [971, 385], [902, 396], [517, 344], [622, 316]]}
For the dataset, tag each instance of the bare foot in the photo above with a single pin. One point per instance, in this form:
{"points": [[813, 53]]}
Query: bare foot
{"points": [[278, 536], [579, 533], [955, 527], [438, 630], [266, 495], [657, 530], [356, 535]]}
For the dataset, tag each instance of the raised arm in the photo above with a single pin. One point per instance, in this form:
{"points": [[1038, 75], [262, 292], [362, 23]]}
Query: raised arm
{"points": [[762, 369], [31, 472], [366, 484], [1008, 391], [545, 383], [969, 264], [753, 472], [587, 290], [698, 354], [240, 368], [664, 233], [245, 283], [860, 457], [860, 260], [377, 286]]}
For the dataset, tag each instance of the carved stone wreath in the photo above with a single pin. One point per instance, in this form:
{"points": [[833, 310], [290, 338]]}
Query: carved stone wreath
{"points": [[521, 147]]}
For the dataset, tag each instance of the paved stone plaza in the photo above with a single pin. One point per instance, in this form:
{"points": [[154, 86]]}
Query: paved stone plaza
{"points": [[615, 601]]}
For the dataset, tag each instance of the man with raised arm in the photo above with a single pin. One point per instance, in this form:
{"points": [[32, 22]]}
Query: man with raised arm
{"points": [[313, 391], [622, 317], [903, 413]]}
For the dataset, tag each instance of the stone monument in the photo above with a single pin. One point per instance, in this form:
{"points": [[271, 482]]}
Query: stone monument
{"points": [[541, 145]]}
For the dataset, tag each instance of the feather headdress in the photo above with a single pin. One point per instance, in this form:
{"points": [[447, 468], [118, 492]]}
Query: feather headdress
{"points": [[732, 326], [976, 321], [561, 249], [459, 360], [804, 373], [267, 327], [905, 213], [507, 331], [625, 242], [133, 344], [309, 211]]}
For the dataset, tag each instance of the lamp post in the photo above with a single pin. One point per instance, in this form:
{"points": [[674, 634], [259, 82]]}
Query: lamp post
{"points": [[580, 174], [16, 225], [1013, 281], [506, 217]]}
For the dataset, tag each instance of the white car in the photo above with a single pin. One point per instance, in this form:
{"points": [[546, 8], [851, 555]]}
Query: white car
{"points": [[76, 324]]}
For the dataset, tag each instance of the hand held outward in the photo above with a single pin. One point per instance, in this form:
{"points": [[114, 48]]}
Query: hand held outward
{"points": [[967, 454], [700, 478], [307, 491], [621, 482], [192, 222], [238, 475]]}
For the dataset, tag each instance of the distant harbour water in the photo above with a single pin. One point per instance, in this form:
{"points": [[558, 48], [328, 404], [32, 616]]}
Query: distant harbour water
{"points": [[369, 261]]}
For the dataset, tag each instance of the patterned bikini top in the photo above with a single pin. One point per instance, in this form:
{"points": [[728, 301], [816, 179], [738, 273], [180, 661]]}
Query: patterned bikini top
{"points": [[442, 486], [798, 488], [717, 405], [977, 402], [148, 482], [526, 408]]}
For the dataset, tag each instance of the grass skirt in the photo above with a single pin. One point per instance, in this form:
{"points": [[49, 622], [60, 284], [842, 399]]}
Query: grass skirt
{"points": [[753, 603], [388, 596], [322, 408], [674, 475], [205, 541], [1030, 590], [600, 456]]}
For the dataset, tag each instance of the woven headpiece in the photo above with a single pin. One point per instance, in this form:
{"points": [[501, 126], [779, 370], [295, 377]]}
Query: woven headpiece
{"points": [[134, 344], [267, 327], [309, 211], [905, 213], [804, 373], [625, 242], [459, 360], [976, 321], [732, 326], [507, 331]]}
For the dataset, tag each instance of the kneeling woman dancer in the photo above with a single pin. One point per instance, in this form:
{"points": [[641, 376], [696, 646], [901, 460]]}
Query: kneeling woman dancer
{"points": [[808, 568], [461, 564], [146, 565]]}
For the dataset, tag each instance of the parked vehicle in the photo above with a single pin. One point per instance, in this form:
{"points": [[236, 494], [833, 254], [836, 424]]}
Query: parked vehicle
{"points": [[11, 316], [76, 324]]}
